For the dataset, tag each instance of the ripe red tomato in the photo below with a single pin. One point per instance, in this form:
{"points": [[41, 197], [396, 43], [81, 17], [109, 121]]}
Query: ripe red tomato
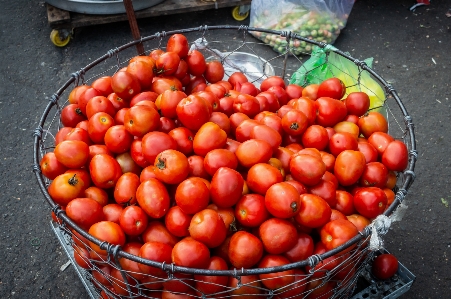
{"points": [[370, 202], [78, 134], [192, 195], [71, 115], [372, 122], [153, 198], [357, 103], [207, 284], [375, 174], [106, 231], [143, 71], [218, 158], [314, 211], [214, 71], [84, 212], [251, 211], [184, 138], [191, 253], [167, 63], [245, 250], [294, 122], [307, 169], [302, 250], [143, 96], [349, 166], [244, 128], [268, 101], [332, 88], [315, 136], [208, 227], [277, 235], [237, 77], [154, 251], [98, 124], [280, 93], [196, 167], [368, 150], [385, 266], [76, 92], [125, 188], [85, 97], [226, 187], [282, 200], [104, 170], [247, 88], [253, 151], [246, 104], [196, 63], [359, 221], [193, 112], [209, 137], [276, 280], [178, 43], [157, 232], [342, 141], [125, 85], [131, 266], [311, 91], [380, 141], [272, 81], [211, 98], [294, 91], [345, 202], [171, 166], [81, 257], [139, 120], [326, 190], [396, 156], [222, 120], [330, 111], [72, 153], [153, 143], [99, 104], [127, 164], [167, 124], [113, 212], [97, 194], [133, 220], [177, 222], [117, 139], [262, 176], [50, 166], [337, 232], [347, 127], [268, 134], [160, 84]]}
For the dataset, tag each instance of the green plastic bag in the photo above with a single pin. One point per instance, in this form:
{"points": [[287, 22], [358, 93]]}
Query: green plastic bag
{"points": [[325, 63]]}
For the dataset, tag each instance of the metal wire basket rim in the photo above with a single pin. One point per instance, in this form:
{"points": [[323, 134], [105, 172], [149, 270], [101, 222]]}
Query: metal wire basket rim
{"points": [[408, 177]]}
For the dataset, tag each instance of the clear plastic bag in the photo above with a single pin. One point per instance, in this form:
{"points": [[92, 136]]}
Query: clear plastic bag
{"points": [[320, 20]]}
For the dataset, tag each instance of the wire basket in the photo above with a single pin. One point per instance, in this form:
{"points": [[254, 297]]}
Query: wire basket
{"points": [[332, 274]]}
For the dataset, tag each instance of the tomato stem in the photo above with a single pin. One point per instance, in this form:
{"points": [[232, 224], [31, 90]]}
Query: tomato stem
{"points": [[73, 180], [78, 111], [294, 206], [161, 164], [294, 126]]}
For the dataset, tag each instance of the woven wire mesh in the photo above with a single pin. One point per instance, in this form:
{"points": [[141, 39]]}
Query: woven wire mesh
{"points": [[332, 274]]}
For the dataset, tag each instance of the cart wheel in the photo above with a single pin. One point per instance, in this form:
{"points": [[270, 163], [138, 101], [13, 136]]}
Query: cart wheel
{"points": [[56, 38], [237, 16]]}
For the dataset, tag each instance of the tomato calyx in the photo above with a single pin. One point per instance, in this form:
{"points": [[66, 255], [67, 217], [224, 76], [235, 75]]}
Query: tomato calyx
{"points": [[78, 111], [73, 180], [294, 126], [173, 88], [294, 206], [161, 164]]}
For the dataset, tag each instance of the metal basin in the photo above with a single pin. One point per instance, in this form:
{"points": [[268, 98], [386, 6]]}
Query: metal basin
{"points": [[100, 7]]}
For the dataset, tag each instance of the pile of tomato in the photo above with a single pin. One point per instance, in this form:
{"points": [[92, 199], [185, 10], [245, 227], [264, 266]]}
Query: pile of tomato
{"points": [[176, 164]]}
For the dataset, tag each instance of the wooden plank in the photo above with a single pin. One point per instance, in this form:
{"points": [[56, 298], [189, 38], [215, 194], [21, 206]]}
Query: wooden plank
{"points": [[57, 16], [166, 7]]}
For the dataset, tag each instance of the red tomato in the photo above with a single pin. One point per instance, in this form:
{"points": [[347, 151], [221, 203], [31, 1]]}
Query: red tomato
{"points": [[137, 154], [209, 137], [191, 253], [396, 156], [342, 141], [160, 84], [332, 88], [222, 120], [370, 202], [139, 120], [276, 280], [307, 169], [372, 122], [253, 151], [282, 200], [208, 227], [314, 211], [237, 77], [385, 266], [208, 284], [72, 153], [330, 111], [326, 190], [144, 96], [226, 187], [98, 124], [308, 107], [246, 104], [119, 116], [294, 91], [311, 91], [167, 63], [143, 71], [211, 99], [153, 143], [76, 92], [154, 251], [347, 127], [131, 266], [251, 211], [357, 103], [283, 154], [329, 160], [272, 81], [157, 232], [368, 150], [106, 231], [273, 121], [167, 124], [192, 195], [84, 212], [193, 112], [153, 198], [196, 167], [178, 43], [177, 222], [127, 164], [294, 122], [247, 88], [262, 176], [345, 202], [375, 174], [337, 232], [231, 145], [268, 134], [113, 212], [245, 250], [97, 194], [78, 134], [81, 257], [196, 63], [105, 171], [125, 189], [171, 166], [85, 97], [133, 220], [71, 115], [214, 71], [380, 141], [125, 85], [359, 221], [277, 235], [243, 130], [349, 166], [302, 250], [218, 158], [268, 101], [315, 136], [50, 166], [118, 140]]}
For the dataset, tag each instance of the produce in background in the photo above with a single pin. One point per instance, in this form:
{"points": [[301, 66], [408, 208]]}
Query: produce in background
{"points": [[320, 20], [204, 173]]}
